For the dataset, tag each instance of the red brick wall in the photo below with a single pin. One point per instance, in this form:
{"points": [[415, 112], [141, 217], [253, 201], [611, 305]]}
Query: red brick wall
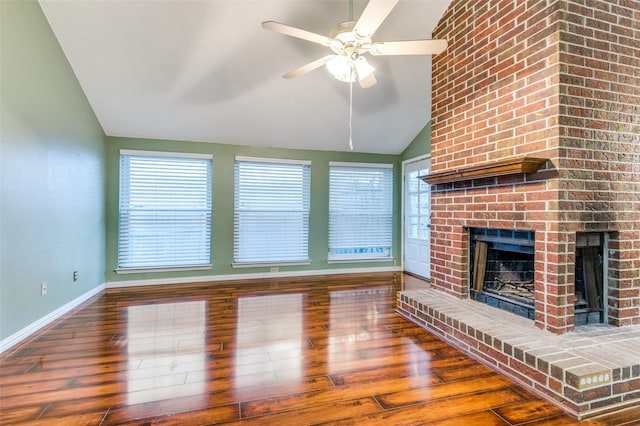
{"points": [[551, 79], [600, 118]]}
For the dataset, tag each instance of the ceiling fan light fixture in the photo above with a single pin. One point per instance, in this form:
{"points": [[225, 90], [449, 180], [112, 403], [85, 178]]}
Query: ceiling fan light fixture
{"points": [[340, 68], [346, 69], [363, 68]]}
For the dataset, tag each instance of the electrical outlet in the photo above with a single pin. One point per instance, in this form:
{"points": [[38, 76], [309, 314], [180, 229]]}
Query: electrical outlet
{"points": [[75, 276], [43, 288], [274, 269]]}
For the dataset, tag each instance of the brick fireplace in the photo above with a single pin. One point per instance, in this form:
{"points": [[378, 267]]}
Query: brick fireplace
{"points": [[557, 81], [536, 129]]}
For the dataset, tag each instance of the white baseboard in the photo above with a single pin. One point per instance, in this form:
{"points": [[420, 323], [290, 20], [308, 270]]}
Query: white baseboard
{"points": [[231, 277], [20, 335]]}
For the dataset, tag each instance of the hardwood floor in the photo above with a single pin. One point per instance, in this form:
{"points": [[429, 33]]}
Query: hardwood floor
{"points": [[315, 350]]}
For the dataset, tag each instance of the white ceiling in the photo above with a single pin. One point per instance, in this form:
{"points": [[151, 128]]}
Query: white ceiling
{"points": [[206, 71]]}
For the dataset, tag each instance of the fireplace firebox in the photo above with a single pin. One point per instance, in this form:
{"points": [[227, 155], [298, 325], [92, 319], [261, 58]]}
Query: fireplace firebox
{"points": [[502, 274], [502, 269], [589, 284]]}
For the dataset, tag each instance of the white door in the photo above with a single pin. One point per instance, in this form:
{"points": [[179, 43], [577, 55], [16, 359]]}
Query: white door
{"points": [[417, 219]]}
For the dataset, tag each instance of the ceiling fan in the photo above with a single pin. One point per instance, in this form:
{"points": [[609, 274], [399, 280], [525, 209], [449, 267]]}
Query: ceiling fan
{"points": [[351, 40]]}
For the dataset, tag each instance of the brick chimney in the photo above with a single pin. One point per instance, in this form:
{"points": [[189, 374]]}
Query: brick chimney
{"points": [[556, 80]]}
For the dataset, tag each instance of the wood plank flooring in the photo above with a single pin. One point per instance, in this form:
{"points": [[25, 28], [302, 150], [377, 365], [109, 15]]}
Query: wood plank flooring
{"points": [[313, 350]]}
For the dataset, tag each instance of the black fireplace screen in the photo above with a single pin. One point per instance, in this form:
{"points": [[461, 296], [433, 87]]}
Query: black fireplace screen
{"points": [[502, 269]]}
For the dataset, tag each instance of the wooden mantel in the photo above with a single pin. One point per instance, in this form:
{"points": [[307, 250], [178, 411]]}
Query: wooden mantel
{"points": [[510, 166]]}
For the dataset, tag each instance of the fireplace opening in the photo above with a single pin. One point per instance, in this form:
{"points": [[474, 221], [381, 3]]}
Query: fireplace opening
{"points": [[589, 283], [502, 269]]}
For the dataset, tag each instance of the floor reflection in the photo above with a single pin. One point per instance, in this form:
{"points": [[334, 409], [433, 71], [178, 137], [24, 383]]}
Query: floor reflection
{"points": [[179, 349], [354, 317], [166, 351], [269, 339]]}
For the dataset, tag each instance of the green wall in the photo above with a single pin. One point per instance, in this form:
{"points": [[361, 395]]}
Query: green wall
{"points": [[223, 161], [421, 144], [51, 176]]}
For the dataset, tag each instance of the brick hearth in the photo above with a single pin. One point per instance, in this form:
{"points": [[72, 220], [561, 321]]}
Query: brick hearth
{"points": [[590, 370]]}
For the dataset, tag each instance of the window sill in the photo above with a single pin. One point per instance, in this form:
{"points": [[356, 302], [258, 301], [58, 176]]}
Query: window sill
{"points": [[166, 269], [363, 260], [263, 265]]}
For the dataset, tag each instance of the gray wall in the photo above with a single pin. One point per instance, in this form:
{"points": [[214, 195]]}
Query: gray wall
{"points": [[52, 181]]}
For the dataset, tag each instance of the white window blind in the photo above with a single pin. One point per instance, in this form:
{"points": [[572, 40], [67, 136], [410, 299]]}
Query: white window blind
{"points": [[271, 215], [165, 210], [360, 211]]}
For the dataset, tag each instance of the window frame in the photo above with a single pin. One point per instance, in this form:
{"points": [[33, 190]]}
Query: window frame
{"points": [[241, 257], [207, 211], [388, 214]]}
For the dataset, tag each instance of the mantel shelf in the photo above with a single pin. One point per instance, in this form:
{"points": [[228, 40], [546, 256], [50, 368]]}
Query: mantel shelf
{"points": [[511, 166]]}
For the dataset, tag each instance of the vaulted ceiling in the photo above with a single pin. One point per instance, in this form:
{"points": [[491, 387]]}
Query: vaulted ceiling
{"points": [[206, 71]]}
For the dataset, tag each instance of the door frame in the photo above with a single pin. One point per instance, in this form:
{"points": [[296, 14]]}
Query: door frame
{"points": [[403, 202]]}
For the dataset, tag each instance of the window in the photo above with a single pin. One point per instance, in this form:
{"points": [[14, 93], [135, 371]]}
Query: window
{"points": [[271, 217], [165, 210], [360, 211]]}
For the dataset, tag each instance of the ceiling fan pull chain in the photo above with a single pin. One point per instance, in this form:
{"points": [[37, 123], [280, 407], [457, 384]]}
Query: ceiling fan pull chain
{"points": [[350, 112]]}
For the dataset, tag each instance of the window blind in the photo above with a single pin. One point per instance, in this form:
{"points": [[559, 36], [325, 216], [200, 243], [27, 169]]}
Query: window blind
{"points": [[271, 212], [360, 211], [165, 210]]}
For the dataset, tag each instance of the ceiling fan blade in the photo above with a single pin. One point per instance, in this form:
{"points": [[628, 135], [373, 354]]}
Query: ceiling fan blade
{"points": [[309, 67], [296, 32], [372, 16], [368, 81], [409, 47]]}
